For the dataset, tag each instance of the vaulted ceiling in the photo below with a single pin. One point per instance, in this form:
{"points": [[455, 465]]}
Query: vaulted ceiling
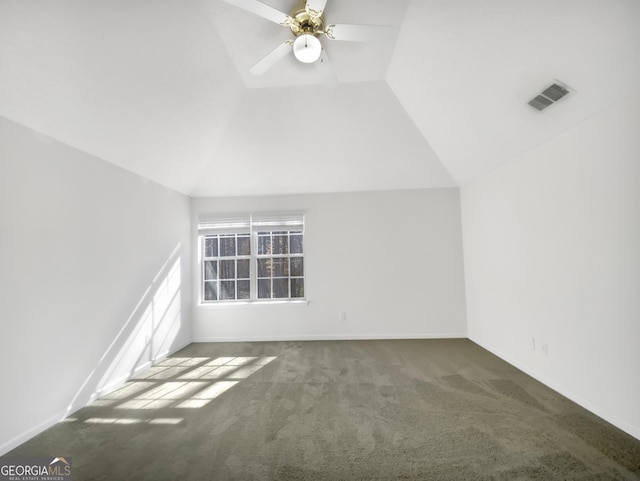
{"points": [[162, 88]]}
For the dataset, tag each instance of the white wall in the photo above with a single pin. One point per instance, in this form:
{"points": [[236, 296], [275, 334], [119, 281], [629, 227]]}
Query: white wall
{"points": [[392, 261], [94, 279], [552, 252]]}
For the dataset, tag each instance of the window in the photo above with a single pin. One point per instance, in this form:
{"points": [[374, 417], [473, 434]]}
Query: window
{"points": [[280, 265], [227, 264], [252, 257]]}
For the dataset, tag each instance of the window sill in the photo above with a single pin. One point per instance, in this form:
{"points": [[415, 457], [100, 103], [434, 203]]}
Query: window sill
{"points": [[222, 304]]}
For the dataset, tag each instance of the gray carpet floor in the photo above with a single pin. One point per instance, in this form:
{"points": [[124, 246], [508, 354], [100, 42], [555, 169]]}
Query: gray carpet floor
{"points": [[343, 410]]}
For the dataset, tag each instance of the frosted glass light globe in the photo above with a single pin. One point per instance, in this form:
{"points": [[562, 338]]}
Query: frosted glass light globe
{"points": [[307, 48]]}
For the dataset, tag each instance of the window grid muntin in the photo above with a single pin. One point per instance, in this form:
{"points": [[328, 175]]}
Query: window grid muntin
{"points": [[294, 241], [226, 288], [275, 246]]}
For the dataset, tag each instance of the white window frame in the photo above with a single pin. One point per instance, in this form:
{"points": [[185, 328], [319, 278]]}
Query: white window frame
{"points": [[289, 256], [251, 224], [219, 259]]}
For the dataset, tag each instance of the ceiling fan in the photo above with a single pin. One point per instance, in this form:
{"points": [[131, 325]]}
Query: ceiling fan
{"points": [[307, 23]]}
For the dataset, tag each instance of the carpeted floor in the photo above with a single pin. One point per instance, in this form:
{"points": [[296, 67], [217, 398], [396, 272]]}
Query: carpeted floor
{"points": [[343, 410]]}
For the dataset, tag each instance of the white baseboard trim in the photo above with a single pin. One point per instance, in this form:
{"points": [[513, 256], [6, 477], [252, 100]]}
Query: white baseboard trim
{"points": [[629, 428], [13, 443], [118, 383], [331, 337], [7, 446]]}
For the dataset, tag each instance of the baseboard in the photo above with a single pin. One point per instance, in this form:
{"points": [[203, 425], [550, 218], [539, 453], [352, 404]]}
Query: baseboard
{"points": [[585, 403], [332, 337], [7, 446], [118, 383], [34, 431]]}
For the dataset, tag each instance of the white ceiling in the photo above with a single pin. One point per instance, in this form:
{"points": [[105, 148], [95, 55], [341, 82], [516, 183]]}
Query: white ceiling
{"points": [[162, 88]]}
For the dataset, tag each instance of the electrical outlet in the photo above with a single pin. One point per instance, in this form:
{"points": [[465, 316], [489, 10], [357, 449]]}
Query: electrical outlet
{"points": [[342, 316], [532, 343]]}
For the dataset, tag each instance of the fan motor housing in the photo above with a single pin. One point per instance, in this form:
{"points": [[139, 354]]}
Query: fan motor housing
{"points": [[303, 22]]}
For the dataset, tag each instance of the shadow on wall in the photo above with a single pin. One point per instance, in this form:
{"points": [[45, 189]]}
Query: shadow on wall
{"points": [[147, 335]]}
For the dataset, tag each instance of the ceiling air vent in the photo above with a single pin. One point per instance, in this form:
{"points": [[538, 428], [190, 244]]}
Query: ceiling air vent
{"points": [[549, 96]]}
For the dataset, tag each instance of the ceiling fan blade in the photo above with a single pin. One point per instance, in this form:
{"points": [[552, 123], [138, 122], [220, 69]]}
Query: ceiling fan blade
{"points": [[315, 7], [263, 10], [272, 58], [356, 33], [323, 66]]}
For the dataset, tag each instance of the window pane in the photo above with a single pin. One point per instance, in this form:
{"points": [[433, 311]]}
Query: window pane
{"points": [[296, 243], [280, 267], [229, 273], [210, 270], [228, 269], [211, 246], [210, 291], [280, 288], [228, 289], [297, 266], [264, 267], [227, 246], [280, 244], [264, 288], [243, 269], [244, 245], [297, 287], [243, 289], [264, 243]]}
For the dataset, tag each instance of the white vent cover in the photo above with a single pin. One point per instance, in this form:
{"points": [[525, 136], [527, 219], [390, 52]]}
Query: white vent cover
{"points": [[550, 95]]}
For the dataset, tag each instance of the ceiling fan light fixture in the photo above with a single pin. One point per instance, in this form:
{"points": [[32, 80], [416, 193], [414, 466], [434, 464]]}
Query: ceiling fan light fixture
{"points": [[307, 48]]}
